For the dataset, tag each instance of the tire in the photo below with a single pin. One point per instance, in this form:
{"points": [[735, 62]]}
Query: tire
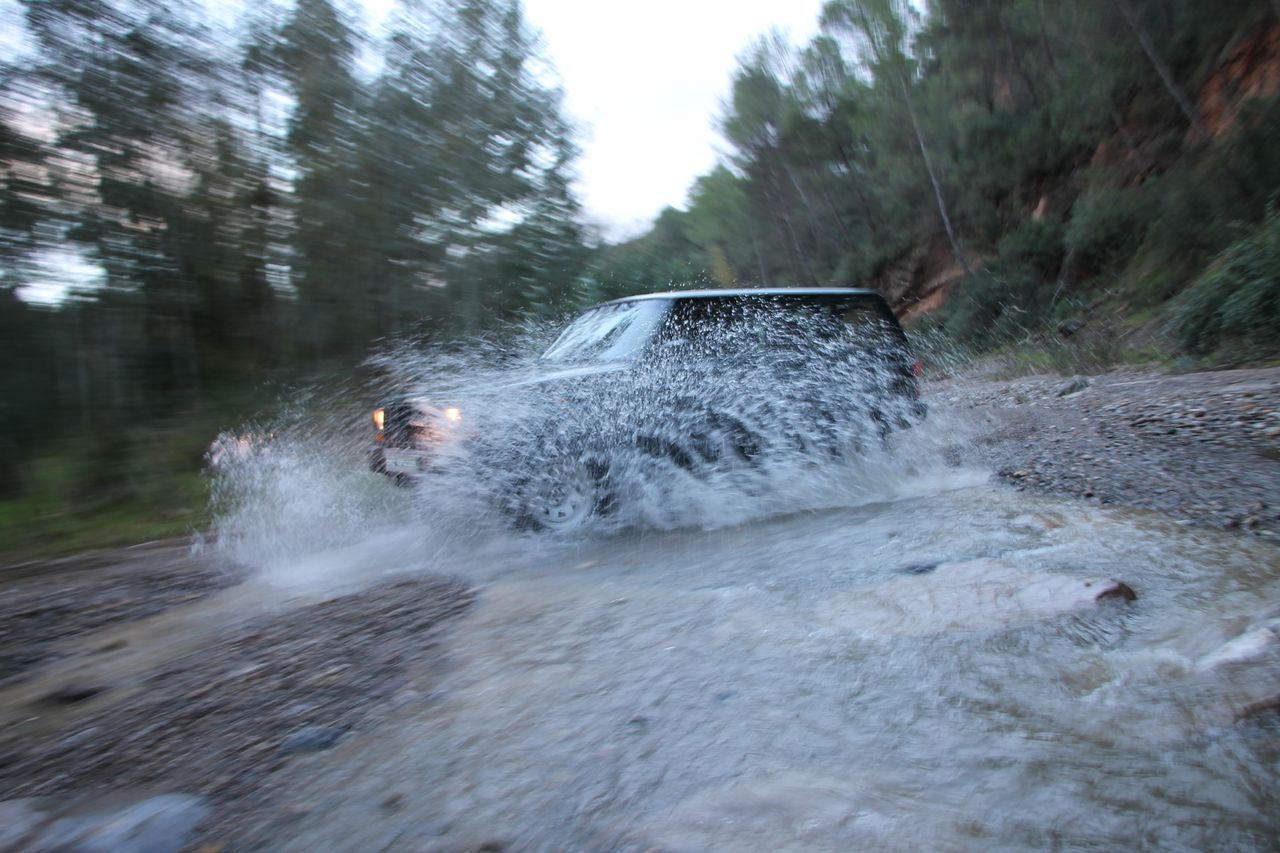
{"points": [[562, 497]]}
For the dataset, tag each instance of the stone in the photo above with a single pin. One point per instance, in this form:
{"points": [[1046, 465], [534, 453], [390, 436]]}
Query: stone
{"points": [[19, 820], [1267, 705], [69, 694], [311, 739], [972, 595], [1067, 328], [161, 824], [1257, 641], [1074, 385]]}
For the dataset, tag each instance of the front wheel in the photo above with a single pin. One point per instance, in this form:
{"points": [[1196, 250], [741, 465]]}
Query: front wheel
{"points": [[561, 497]]}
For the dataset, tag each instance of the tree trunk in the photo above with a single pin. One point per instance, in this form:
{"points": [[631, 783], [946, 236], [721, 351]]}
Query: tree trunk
{"points": [[857, 188], [839, 220], [755, 246], [1162, 69], [814, 230], [773, 198], [1016, 61], [933, 177], [1044, 42]]}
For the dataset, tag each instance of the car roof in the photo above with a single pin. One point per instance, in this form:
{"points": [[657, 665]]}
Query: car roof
{"points": [[729, 293]]}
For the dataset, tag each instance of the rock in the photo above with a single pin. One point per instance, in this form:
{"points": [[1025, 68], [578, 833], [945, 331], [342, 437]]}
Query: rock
{"points": [[152, 825], [19, 820], [295, 811], [967, 596], [794, 809], [311, 739], [1067, 328], [69, 694], [1269, 705], [1113, 589], [1074, 385], [1249, 646]]}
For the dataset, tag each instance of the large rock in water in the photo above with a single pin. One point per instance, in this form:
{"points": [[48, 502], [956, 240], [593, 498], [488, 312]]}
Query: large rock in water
{"points": [[967, 596], [161, 824], [1255, 643], [1246, 670]]}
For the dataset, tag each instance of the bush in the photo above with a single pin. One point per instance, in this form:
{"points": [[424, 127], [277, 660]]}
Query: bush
{"points": [[1036, 245], [1009, 296], [1237, 300], [995, 305], [1106, 227]]}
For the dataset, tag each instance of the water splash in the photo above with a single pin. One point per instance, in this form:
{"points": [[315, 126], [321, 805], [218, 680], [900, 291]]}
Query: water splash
{"points": [[739, 423]]}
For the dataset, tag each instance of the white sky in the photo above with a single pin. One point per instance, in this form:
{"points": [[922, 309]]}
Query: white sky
{"points": [[646, 81]]}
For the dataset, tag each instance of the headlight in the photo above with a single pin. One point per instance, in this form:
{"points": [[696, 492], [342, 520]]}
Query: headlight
{"points": [[452, 414], [379, 417]]}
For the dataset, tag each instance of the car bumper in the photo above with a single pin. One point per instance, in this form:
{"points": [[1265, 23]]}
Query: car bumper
{"points": [[402, 464]]}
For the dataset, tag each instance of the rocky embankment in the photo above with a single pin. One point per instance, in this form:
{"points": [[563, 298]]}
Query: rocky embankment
{"points": [[1202, 447]]}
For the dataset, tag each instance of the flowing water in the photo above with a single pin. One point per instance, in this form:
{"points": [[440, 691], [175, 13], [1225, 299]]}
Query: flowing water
{"points": [[908, 674], [879, 652]]}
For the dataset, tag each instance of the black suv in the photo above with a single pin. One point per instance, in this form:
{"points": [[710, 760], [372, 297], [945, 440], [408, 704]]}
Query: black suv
{"points": [[690, 383]]}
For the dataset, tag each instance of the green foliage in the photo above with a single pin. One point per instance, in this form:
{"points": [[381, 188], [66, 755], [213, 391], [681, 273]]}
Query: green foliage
{"points": [[847, 158], [1236, 303], [1010, 295], [1036, 246], [996, 305], [1105, 229]]}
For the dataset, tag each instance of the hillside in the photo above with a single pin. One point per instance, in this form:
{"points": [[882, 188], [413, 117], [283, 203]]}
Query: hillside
{"points": [[1002, 170]]}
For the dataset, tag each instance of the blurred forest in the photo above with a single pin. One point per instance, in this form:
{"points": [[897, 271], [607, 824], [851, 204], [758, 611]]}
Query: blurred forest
{"points": [[189, 208]]}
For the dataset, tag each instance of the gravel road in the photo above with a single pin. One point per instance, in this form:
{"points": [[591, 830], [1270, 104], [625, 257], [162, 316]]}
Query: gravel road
{"points": [[1202, 447]]}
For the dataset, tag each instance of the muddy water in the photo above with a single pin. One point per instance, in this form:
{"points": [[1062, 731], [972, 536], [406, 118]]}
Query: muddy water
{"points": [[927, 672]]}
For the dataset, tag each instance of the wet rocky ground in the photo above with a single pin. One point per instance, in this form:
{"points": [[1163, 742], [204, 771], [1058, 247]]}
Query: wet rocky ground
{"points": [[50, 601], [1202, 447], [218, 724]]}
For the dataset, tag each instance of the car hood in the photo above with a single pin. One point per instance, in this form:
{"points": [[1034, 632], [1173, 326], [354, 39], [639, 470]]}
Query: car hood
{"points": [[531, 377], [562, 374]]}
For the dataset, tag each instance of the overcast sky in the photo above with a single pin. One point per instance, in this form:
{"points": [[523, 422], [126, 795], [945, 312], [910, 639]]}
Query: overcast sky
{"points": [[643, 80], [646, 80]]}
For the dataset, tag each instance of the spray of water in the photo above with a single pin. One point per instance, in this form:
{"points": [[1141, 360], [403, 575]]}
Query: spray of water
{"points": [[771, 413]]}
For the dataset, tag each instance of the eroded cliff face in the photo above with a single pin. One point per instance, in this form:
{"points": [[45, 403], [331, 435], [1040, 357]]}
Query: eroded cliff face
{"points": [[1249, 69], [1246, 73], [918, 282]]}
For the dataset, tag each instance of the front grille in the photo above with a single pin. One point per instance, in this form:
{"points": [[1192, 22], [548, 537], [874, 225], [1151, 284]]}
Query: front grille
{"points": [[398, 422], [407, 425]]}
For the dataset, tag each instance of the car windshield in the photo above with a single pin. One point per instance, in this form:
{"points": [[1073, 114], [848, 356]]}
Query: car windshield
{"points": [[618, 332]]}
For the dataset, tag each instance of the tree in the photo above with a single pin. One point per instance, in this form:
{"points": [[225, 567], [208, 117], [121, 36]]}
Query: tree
{"points": [[315, 58], [879, 28]]}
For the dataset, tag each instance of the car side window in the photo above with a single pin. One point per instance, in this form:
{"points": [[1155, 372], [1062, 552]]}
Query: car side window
{"points": [[765, 329]]}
